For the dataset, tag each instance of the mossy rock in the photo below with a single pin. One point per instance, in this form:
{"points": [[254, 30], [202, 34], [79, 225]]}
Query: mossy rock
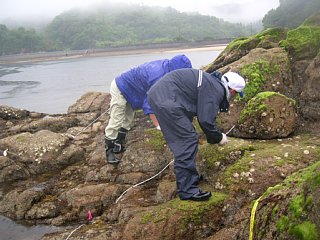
{"points": [[266, 116], [264, 70], [175, 219], [290, 210], [242, 46], [304, 41]]}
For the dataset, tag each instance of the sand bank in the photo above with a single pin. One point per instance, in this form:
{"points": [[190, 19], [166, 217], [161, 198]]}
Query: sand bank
{"points": [[63, 55]]}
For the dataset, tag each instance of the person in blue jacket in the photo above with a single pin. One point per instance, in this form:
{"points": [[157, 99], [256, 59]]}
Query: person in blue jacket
{"points": [[177, 98], [128, 93]]}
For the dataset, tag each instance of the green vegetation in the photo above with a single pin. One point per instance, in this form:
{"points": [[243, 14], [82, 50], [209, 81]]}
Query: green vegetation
{"points": [[189, 211], [283, 223], [290, 13], [114, 25], [20, 40], [305, 231], [304, 41], [259, 40], [154, 139], [256, 105], [295, 222], [257, 73]]}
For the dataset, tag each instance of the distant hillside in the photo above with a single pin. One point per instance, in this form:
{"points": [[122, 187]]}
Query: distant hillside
{"points": [[291, 13], [123, 25], [118, 25]]}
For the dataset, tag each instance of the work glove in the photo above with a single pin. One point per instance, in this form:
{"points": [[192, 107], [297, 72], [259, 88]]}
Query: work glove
{"points": [[224, 140]]}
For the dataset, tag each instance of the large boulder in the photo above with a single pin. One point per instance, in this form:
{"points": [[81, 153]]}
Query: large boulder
{"points": [[266, 116], [264, 70]]}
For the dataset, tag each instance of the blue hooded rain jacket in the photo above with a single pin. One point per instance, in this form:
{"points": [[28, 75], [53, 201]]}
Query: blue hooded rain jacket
{"points": [[135, 83]]}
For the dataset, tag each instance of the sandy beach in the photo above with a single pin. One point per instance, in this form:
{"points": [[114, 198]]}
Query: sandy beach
{"points": [[63, 55]]}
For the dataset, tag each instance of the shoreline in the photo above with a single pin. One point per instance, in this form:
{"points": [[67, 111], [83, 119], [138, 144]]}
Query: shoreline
{"points": [[63, 55]]}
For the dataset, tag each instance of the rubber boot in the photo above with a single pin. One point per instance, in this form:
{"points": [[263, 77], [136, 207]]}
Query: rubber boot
{"points": [[110, 155], [119, 142]]}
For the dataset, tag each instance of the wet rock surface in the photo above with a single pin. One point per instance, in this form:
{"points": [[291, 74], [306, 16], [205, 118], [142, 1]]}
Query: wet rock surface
{"points": [[53, 169]]}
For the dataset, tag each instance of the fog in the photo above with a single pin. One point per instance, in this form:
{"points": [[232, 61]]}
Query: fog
{"points": [[244, 11]]}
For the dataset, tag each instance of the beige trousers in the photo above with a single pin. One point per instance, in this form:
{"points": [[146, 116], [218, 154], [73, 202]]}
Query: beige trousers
{"points": [[121, 113]]}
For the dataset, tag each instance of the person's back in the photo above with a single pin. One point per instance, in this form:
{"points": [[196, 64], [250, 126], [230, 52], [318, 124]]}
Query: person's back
{"points": [[190, 95]]}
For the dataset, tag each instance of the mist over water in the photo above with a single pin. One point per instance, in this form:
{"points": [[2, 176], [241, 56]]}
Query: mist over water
{"points": [[51, 87]]}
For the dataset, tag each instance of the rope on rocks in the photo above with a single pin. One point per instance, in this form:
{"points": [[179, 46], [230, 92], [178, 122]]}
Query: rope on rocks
{"points": [[74, 231], [253, 213], [82, 130], [254, 209], [138, 184]]}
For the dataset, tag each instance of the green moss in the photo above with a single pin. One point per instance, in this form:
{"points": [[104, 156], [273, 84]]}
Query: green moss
{"points": [[146, 217], [275, 211], [256, 105], [21, 138], [248, 43], [271, 35], [309, 202], [283, 224], [212, 154], [305, 231], [241, 44], [257, 74], [314, 180], [194, 211], [154, 139], [190, 211], [303, 41], [296, 207]]}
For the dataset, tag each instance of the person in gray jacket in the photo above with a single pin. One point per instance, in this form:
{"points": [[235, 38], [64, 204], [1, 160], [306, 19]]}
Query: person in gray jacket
{"points": [[177, 98]]}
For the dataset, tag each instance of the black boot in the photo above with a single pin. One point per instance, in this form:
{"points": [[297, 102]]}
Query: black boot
{"points": [[110, 156], [119, 142]]}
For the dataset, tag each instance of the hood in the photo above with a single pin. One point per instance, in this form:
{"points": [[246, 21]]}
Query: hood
{"points": [[179, 61]]}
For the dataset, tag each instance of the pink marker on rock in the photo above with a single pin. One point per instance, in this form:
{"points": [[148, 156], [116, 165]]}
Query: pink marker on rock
{"points": [[89, 216]]}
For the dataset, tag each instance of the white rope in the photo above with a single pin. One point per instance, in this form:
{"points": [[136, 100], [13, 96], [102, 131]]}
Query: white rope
{"points": [[74, 231], [74, 136], [230, 129], [138, 184]]}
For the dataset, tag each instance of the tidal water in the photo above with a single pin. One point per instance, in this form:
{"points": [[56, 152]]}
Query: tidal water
{"points": [[52, 86], [9, 230]]}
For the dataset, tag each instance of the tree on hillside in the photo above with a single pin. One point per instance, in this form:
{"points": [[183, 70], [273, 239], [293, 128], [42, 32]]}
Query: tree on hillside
{"points": [[134, 24], [290, 13]]}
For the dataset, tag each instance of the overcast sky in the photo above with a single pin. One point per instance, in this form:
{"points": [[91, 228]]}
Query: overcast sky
{"points": [[244, 11]]}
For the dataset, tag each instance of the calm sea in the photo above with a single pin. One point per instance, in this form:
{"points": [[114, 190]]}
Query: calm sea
{"points": [[51, 87]]}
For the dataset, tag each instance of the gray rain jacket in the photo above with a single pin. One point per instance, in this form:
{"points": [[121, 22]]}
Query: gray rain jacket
{"points": [[183, 91]]}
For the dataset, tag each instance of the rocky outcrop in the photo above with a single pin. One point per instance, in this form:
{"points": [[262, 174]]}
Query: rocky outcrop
{"points": [[268, 115], [53, 169]]}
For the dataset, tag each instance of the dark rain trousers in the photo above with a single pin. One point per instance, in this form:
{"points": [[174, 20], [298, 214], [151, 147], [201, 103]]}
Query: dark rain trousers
{"points": [[177, 98], [182, 139]]}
